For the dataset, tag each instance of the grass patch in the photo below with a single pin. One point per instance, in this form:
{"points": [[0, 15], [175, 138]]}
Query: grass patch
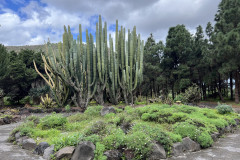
{"points": [[131, 128]]}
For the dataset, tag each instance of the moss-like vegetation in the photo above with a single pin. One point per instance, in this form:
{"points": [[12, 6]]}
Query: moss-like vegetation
{"points": [[131, 128]]}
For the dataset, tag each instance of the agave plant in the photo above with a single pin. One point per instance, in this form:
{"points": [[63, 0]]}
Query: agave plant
{"points": [[47, 102]]}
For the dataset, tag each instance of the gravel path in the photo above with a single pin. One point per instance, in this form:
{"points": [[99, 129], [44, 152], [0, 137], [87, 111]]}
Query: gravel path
{"points": [[227, 148], [13, 152]]}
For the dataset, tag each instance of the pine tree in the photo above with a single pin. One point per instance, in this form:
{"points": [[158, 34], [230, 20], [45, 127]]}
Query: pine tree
{"points": [[227, 42]]}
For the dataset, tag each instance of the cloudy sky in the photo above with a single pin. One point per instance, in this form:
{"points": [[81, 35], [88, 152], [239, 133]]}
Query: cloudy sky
{"points": [[30, 22]]}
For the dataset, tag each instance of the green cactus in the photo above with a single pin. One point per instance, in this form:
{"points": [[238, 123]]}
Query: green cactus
{"points": [[58, 87], [73, 64], [130, 62], [88, 69]]}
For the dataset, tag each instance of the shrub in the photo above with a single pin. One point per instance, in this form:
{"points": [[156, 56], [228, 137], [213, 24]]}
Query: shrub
{"points": [[64, 140], [186, 129], [98, 153], [45, 133], [78, 117], [114, 139], [68, 108], [52, 121], [205, 140], [94, 138], [192, 94], [34, 119], [155, 133], [97, 128], [224, 109], [140, 143], [93, 111]]}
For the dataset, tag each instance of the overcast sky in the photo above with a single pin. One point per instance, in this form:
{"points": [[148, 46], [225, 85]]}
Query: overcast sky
{"points": [[26, 22]]}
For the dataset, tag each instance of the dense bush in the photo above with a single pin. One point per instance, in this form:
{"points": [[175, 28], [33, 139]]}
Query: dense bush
{"points": [[52, 121], [224, 109], [191, 95]]}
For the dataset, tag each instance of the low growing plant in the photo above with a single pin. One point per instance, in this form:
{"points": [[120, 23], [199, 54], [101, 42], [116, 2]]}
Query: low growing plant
{"points": [[52, 121], [224, 108]]}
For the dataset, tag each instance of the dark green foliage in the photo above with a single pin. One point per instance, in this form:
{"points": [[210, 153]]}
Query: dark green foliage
{"points": [[20, 74], [224, 109], [191, 95], [52, 121]]}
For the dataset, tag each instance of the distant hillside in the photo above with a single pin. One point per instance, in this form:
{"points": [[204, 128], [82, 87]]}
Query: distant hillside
{"points": [[36, 48]]}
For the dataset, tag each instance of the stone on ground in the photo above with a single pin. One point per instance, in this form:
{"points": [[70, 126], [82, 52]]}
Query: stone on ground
{"points": [[190, 145], [65, 153], [178, 149], [29, 144], [40, 148], [157, 152], [84, 151], [107, 110], [113, 155], [48, 152]]}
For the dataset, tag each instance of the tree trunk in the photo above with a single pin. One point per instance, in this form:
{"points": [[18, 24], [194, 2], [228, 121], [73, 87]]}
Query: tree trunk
{"points": [[1, 101], [236, 87], [173, 95], [231, 86]]}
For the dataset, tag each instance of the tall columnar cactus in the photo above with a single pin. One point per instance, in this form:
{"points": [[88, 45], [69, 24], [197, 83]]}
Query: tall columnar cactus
{"points": [[102, 60], [130, 62], [75, 64], [88, 68], [57, 85]]}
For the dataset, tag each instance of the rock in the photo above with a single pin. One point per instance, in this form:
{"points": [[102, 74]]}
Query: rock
{"points": [[237, 121], [190, 145], [157, 152], [227, 129], [125, 126], [221, 131], [65, 153], [24, 111], [107, 110], [84, 151], [113, 155], [129, 154], [29, 144], [1, 121], [16, 118], [40, 148], [215, 136], [7, 120], [20, 140], [17, 135], [48, 152], [178, 149]]}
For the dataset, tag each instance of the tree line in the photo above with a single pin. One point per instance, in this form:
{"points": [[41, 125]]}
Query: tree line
{"points": [[109, 71], [209, 58]]}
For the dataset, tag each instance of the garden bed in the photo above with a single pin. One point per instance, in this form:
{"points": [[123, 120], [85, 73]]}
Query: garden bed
{"points": [[149, 132]]}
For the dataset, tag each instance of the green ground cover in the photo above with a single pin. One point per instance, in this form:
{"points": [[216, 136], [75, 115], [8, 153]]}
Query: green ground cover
{"points": [[131, 128]]}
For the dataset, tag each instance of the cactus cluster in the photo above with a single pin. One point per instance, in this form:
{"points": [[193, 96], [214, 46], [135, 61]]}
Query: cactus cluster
{"points": [[97, 70]]}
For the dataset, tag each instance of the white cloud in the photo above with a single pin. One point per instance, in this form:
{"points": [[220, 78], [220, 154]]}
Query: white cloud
{"points": [[150, 16], [36, 28]]}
